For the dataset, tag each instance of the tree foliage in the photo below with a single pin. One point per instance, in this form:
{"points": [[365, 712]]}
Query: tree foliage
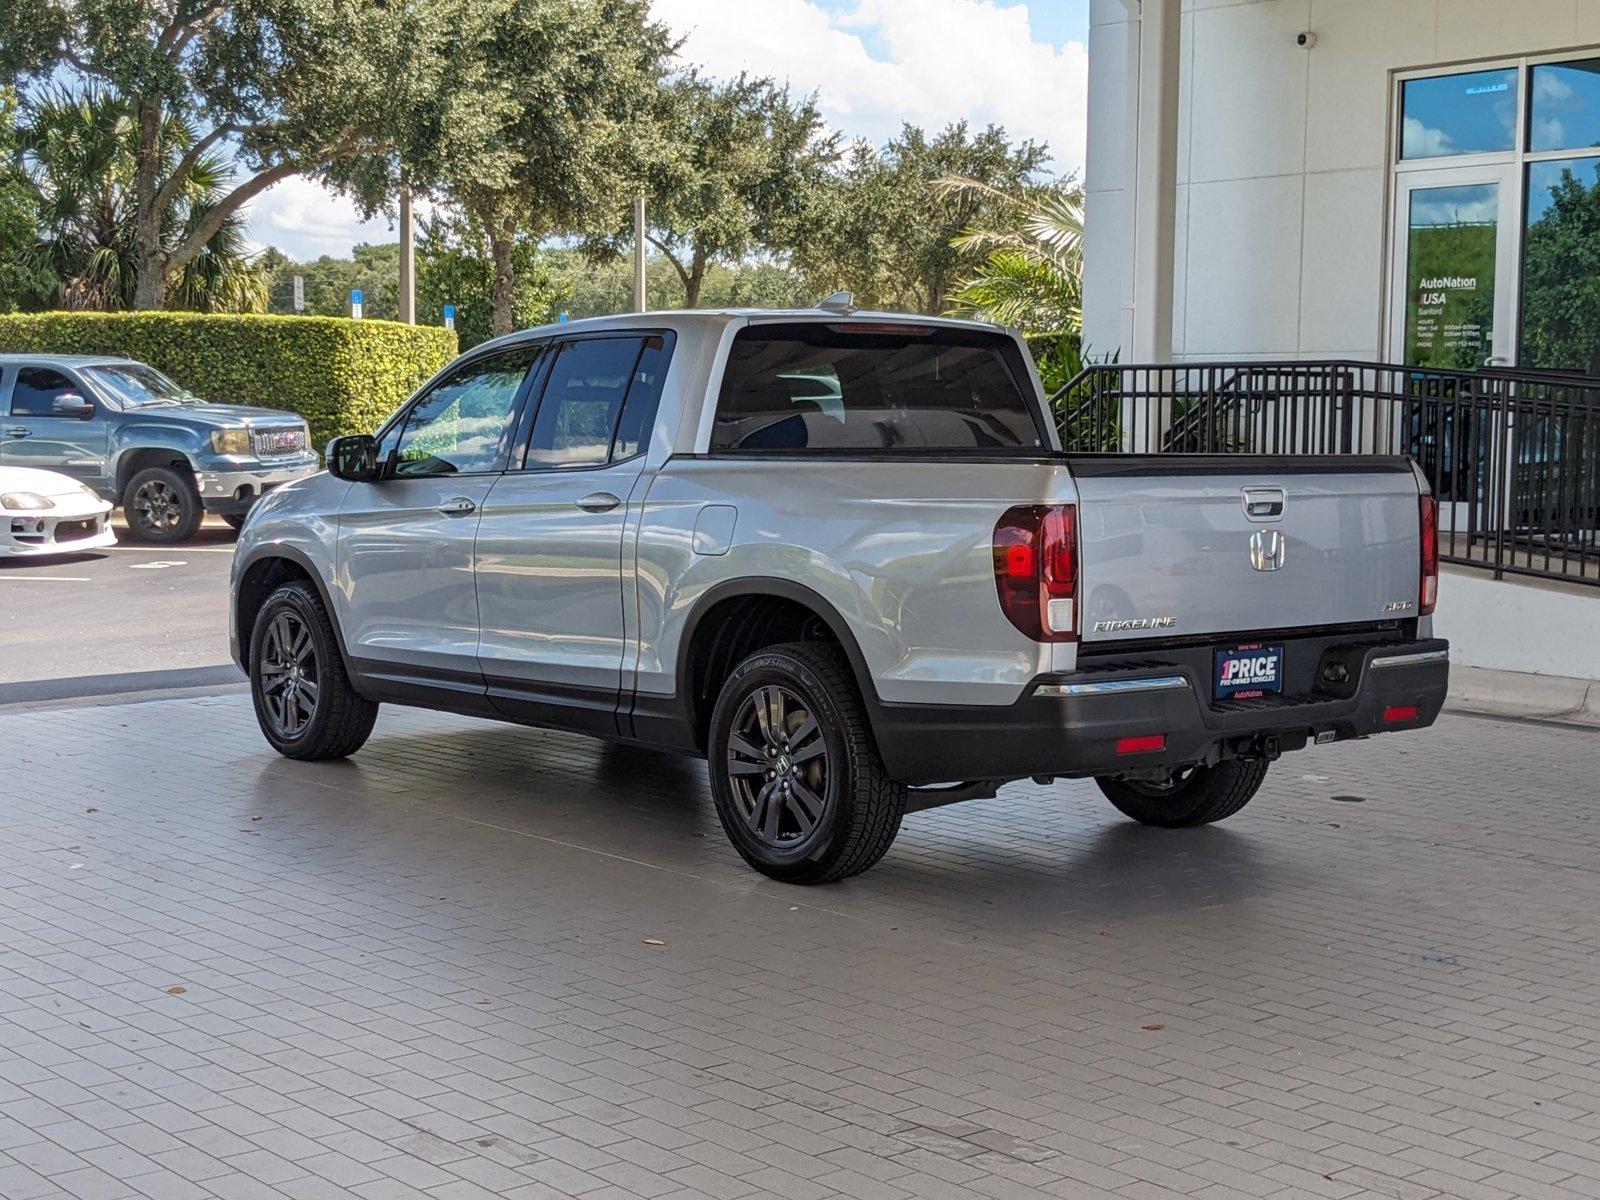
{"points": [[336, 88], [881, 228], [78, 152], [571, 92], [731, 169], [23, 280], [1031, 276]]}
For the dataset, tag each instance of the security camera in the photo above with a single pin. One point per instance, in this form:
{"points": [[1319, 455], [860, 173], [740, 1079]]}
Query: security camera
{"points": [[1305, 40]]}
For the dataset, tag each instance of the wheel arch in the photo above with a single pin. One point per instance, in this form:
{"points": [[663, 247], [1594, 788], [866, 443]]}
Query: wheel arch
{"points": [[263, 572], [704, 661]]}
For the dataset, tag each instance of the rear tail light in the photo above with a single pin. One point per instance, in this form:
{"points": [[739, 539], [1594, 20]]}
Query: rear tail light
{"points": [[1036, 570], [1428, 596]]}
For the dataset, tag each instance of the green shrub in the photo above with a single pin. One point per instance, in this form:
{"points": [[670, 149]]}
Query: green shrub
{"points": [[343, 376]]}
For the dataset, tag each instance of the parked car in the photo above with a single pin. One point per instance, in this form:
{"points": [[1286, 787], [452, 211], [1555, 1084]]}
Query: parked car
{"points": [[44, 512], [139, 440], [841, 556]]}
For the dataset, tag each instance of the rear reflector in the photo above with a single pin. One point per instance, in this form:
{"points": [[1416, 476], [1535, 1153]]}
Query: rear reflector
{"points": [[1144, 744], [1400, 712]]}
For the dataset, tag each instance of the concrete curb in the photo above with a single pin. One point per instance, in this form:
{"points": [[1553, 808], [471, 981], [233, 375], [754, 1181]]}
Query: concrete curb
{"points": [[1530, 697]]}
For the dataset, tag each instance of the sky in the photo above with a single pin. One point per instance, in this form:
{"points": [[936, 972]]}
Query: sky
{"points": [[873, 63]]}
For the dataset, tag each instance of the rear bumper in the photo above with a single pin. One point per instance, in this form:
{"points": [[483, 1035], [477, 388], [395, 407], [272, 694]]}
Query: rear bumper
{"points": [[1069, 725]]}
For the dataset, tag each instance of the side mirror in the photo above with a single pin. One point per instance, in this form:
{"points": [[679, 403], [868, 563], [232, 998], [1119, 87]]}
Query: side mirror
{"points": [[70, 404], [354, 457]]}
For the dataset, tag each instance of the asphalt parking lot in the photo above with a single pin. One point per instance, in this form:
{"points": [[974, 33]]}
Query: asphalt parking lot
{"points": [[479, 961], [116, 620]]}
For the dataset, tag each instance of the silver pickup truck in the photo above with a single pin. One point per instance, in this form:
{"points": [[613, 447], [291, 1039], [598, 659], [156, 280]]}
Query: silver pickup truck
{"points": [[841, 556]]}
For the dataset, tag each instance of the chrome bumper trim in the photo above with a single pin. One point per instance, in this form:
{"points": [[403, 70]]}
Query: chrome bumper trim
{"points": [[225, 483], [1107, 687], [1412, 660]]}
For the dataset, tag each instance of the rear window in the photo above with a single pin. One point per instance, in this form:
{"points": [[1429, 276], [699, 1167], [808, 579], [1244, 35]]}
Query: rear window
{"points": [[852, 387]]}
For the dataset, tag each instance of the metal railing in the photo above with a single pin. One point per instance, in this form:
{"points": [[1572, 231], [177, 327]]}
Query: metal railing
{"points": [[1513, 455]]}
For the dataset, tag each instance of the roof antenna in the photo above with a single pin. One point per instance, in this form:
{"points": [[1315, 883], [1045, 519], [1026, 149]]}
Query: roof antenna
{"points": [[839, 302]]}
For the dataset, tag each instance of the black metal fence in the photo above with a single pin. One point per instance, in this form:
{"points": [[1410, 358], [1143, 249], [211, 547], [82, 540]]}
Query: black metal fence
{"points": [[1514, 456]]}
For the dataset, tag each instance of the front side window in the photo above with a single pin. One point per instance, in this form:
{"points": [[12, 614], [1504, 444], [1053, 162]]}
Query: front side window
{"points": [[1470, 113], [458, 427], [36, 391], [851, 386]]}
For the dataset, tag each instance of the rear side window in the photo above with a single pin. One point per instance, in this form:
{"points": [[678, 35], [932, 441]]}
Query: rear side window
{"points": [[856, 386], [599, 403]]}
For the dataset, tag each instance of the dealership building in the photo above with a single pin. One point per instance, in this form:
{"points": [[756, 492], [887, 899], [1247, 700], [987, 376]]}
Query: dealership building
{"points": [[1401, 181]]}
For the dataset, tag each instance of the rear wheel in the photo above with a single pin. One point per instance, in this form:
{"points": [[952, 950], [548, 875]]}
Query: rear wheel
{"points": [[799, 787], [1193, 796], [233, 521], [161, 506], [303, 699]]}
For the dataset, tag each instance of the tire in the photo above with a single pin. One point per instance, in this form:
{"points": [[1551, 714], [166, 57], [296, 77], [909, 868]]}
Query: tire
{"points": [[1201, 796], [292, 646], [837, 782], [161, 506], [234, 521]]}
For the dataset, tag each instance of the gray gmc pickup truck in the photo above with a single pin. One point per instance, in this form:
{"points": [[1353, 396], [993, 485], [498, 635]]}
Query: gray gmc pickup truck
{"points": [[842, 556], [141, 441]]}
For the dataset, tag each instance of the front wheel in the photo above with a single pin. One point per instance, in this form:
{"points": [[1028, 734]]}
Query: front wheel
{"points": [[799, 786], [303, 699], [161, 506], [1193, 796]]}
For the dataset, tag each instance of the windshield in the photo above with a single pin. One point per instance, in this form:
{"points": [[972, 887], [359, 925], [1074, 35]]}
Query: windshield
{"points": [[138, 386]]}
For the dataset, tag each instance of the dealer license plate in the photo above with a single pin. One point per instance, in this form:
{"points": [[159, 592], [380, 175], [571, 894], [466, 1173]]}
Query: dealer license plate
{"points": [[1247, 671]]}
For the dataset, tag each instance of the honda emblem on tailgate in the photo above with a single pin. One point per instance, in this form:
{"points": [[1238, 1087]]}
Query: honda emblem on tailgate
{"points": [[1267, 549]]}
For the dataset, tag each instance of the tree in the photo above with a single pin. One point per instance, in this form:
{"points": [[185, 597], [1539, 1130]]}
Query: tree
{"points": [[880, 227], [374, 269], [454, 267], [735, 165], [79, 152], [571, 90], [24, 280], [337, 88], [1032, 273]]}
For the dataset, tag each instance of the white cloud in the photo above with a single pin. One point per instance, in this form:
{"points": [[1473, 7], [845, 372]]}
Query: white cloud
{"points": [[304, 220], [874, 63], [938, 61]]}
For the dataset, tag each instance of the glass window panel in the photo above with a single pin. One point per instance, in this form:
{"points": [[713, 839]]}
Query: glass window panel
{"points": [[457, 427], [578, 414], [1565, 110], [1459, 114], [1561, 266], [1450, 275], [36, 392], [644, 397]]}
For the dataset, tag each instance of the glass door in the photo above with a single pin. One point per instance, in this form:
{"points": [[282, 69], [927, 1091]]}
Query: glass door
{"points": [[1453, 307], [1453, 292]]}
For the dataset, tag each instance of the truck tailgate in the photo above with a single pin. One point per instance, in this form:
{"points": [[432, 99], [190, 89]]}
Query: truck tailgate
{"points": [[1182, 545]]}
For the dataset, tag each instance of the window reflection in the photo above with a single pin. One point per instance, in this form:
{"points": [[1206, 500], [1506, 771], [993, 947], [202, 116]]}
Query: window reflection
{"points": [[1459, 114], [1564, 110], [1560, 253]]}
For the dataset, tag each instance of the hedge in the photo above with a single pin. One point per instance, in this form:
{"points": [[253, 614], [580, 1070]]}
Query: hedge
{"points": [[343, 376]]}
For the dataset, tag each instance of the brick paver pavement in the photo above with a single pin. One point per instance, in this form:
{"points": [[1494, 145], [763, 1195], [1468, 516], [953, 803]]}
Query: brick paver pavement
{"points": [[432, 971]]}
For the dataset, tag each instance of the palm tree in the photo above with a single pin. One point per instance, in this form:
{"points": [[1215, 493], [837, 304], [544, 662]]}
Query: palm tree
{"points": [[77, 150], [1031, 274]]}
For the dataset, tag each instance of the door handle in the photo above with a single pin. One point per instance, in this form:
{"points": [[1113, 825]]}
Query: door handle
{"points": [[599, 502], [457, 506], [19, 431]]}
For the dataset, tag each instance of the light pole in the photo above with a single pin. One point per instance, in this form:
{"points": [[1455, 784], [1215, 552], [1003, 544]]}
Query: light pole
{"points": [[638, 254], [408, 261]]}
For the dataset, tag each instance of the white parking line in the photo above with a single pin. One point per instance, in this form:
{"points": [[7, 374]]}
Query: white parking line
{"points": [[168, 549]]}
